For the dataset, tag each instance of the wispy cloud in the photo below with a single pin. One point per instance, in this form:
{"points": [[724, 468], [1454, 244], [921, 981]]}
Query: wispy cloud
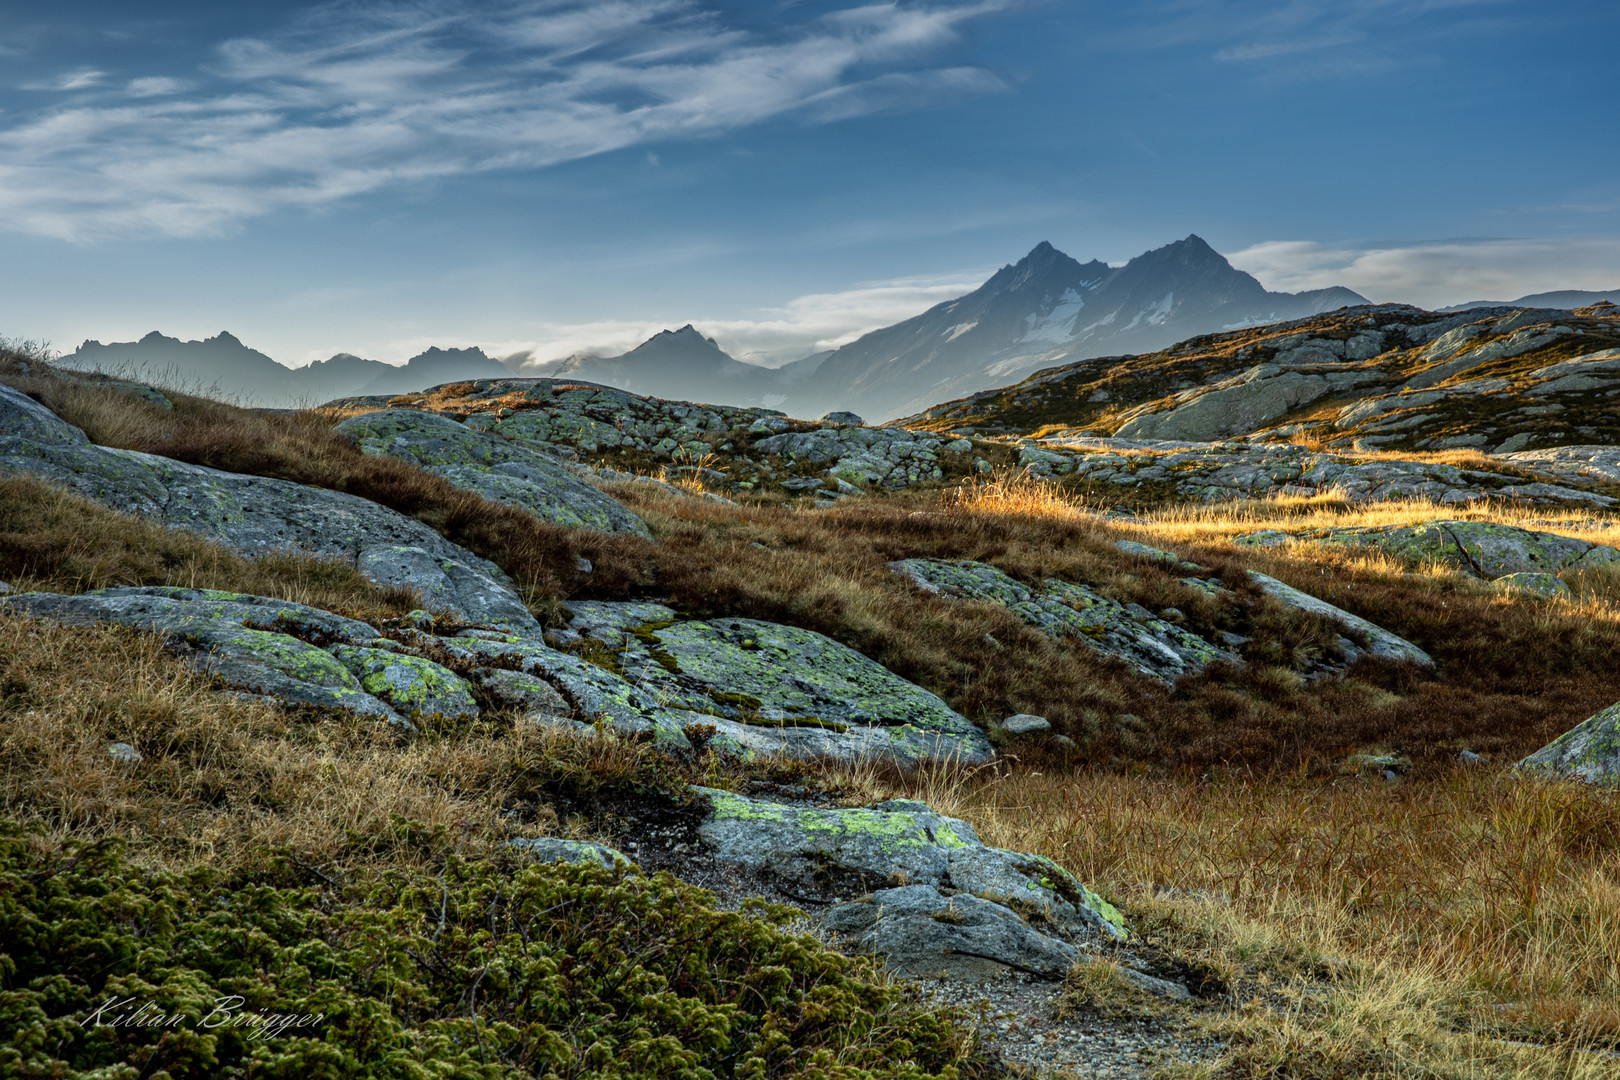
{"points": [[353, 98], [1302, 39], [1438, 273], [81, 79]]}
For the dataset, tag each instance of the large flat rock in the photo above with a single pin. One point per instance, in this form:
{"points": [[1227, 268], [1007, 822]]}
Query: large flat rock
{"points": [[496, 468], [257, 515], [1483, 549], [765, 687]]}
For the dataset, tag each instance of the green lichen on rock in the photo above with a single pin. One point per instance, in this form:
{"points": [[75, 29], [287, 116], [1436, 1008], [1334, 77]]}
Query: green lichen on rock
{"points": [[1590, 751], [414, 686], [899, 842], [770, 688]]}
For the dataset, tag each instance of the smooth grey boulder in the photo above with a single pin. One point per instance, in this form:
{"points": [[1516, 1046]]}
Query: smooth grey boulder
{"points": [[492, 466], [924, 934], [468, 586], [1380, 642], [899, 842], [1590, 751], [540, 701], [1025, 724], [556, 849], [23, 418], [257, 515], [1155, 648]]}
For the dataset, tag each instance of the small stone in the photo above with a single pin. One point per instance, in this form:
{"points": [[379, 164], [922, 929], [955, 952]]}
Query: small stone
{"points": [[4, 588], [123, 753], [841, 417], [1025, 724], [1468, 757], [1172, 615], [417, 619], [582, 564], [556, 849]]}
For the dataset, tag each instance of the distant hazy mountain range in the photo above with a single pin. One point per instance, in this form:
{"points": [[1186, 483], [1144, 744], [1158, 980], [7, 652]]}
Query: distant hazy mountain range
{"points": [[1045, 310], [223, 365], [686, 365], [1566, 298]]}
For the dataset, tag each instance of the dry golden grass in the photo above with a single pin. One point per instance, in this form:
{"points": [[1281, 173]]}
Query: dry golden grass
{"points": [[223, 779], [1365, 929]]}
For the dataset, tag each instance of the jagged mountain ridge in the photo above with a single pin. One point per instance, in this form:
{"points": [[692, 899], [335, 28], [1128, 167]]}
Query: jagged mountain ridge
{"points": [[1047, 309], [223, 365]]}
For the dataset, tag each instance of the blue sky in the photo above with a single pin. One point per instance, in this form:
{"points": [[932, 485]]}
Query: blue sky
{"points": [[540, 176]]}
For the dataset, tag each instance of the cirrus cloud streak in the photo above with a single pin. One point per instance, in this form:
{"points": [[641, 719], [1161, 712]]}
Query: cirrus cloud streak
{"points": [[352, 99]]}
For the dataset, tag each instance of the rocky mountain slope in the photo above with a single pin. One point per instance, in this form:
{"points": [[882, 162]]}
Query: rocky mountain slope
{"points": [[1361, 379], [224, 366], [1049, 309]]}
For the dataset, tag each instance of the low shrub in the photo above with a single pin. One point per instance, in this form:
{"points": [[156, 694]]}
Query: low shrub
{"points": [[486, 970]]}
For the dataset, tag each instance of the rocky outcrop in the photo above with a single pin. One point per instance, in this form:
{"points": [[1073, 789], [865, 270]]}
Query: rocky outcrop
{"points": [[734, 448], [1242, 403], [257, 515], [919, 888], [1128, 632], [1572, 463], [252, 643], [1387, 377], [492, 466], [1483, 549], [1212, 472], [741, 685], [1590, 751], [763, 687]]}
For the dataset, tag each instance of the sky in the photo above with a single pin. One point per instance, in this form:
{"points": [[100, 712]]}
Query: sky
{"points": [[545, 177]]}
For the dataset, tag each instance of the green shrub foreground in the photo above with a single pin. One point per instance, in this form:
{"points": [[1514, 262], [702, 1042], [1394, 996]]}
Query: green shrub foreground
{"points": [[483, 970]]}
